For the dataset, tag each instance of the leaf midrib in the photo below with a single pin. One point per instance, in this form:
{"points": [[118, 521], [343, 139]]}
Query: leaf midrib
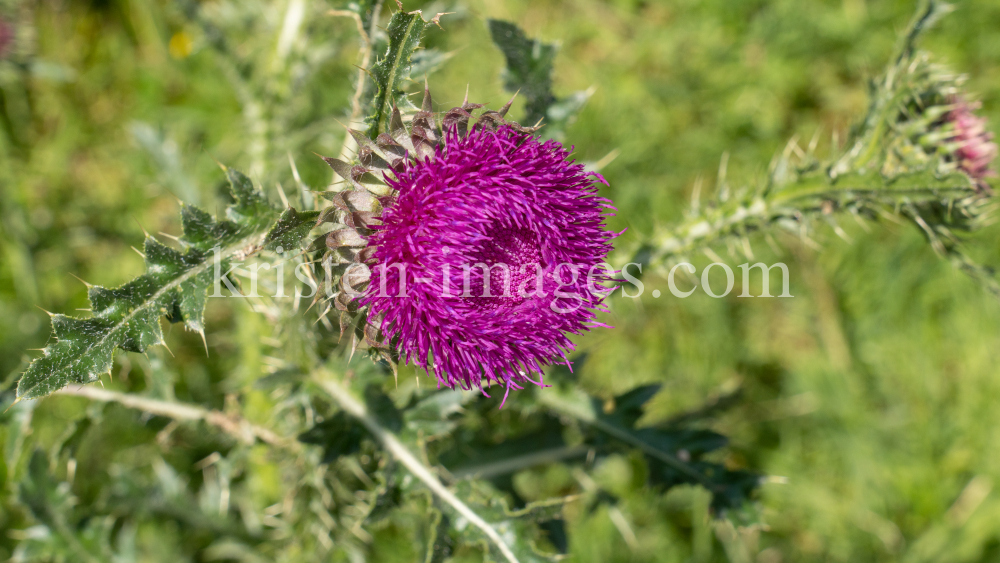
{"points": [[393, 69], [169, 286]]}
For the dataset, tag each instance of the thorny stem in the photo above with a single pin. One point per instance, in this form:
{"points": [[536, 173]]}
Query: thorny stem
{"points": [[367, 46], [247, 433], [886, 169], [237, 427], [355, 408], [792, 201]]}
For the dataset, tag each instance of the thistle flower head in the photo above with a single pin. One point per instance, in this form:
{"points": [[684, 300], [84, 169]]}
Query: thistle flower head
{"points": [[495, 237], [483, 247], [976, 149]]}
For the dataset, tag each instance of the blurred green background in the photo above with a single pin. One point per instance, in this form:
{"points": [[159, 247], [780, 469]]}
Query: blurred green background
{"points": [[870, 397]]}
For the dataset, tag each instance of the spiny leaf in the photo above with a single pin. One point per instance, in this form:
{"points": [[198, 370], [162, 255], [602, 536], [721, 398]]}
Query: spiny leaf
{"points": [[428, 61], [519, 528], [251, 209], [899, 163], [51, 503], [529, 67], [393, 68], [290, 230], [529, 72], [174, 285], [674, 455], [432, 417]]}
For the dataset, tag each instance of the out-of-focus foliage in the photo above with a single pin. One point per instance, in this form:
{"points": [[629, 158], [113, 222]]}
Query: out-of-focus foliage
{"points": [[530, 63], [869, 398]]}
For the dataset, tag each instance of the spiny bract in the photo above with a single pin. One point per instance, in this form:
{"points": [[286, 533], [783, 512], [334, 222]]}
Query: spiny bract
{"points": [[470, 252]]}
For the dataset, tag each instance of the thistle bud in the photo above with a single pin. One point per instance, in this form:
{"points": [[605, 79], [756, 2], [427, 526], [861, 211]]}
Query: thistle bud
{"points": [[6, 37], [975, 149]]}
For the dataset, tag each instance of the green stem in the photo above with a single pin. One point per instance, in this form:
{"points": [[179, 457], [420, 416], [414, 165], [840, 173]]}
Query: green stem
{"points": [[237, 427], [809, 194], [391, 443]]}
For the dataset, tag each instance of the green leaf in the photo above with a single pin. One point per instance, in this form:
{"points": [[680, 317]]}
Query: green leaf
{"points": [[438, 541], [519, 528], [51, 503], [251, 210], [393, 68], [39, 491], [290, 230], [428, 61], [529, 72], [174, 285], [675, 455], [432, 417], [529, 67], [339, 435]]}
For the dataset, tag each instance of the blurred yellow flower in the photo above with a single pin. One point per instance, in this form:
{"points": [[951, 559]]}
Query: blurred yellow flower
{"points": [[181, 45]]}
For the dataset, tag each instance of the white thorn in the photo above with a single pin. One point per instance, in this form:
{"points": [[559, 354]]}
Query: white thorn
{"points": [[134, 218], [281, 194], [746, 248], [606, 160], [81, 281], [723, 168], [696, 195], [814, 142], [840, 233]]}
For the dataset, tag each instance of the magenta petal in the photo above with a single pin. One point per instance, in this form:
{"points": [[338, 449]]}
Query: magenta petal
{"points": [[505, 200]]}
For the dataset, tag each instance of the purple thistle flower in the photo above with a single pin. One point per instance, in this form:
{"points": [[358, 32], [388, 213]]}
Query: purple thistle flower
{"points": [[976, 149], [498, 198]]}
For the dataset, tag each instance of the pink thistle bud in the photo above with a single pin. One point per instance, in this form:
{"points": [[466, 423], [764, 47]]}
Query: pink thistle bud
{"points": [[6, 37], [976, 149]]}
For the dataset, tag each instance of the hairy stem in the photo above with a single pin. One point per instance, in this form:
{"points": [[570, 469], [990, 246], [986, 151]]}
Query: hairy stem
{"points": [[355, 408], [812, 195], [237, 427]]}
